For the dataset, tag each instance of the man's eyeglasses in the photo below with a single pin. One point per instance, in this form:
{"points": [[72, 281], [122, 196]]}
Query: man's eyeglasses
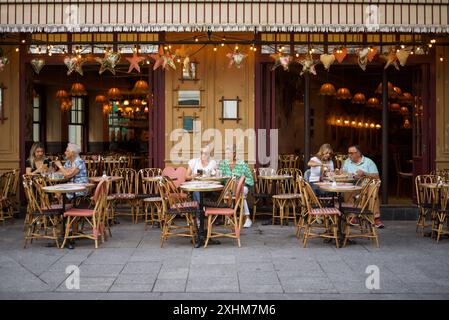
{"points": [[352, 152]]}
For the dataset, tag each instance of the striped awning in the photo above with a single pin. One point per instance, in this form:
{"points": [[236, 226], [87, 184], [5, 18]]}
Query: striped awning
{"points": [[419, 16]]}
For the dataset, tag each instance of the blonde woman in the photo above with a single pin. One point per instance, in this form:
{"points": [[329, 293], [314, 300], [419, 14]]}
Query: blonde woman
{"points": [[37, 162], [321, 162]]}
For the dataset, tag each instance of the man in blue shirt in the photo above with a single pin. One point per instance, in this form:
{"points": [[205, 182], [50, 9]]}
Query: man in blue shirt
{"points": [[362, 166]]}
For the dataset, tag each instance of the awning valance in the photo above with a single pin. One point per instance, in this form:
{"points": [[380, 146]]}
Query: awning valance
{"points": [[418, 16]]}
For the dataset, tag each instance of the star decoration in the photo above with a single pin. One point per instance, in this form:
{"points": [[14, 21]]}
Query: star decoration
{"points": [[74, 64], [163, 59], [134, 62], [3, 62], [391, 59], [372, 53], [308, 65], [402, 56], [37, 64], [362, 57], [281, 60], [109, 62], [236, 58]]}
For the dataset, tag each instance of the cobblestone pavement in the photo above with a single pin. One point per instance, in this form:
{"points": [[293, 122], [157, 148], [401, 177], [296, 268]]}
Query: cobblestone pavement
{"points": [[271, 264]]}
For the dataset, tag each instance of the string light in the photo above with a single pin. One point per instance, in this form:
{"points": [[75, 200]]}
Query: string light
{"points": [[441, 58], [195, 38], [433, 41], [236, 47], [215, 48], [17, 49]]}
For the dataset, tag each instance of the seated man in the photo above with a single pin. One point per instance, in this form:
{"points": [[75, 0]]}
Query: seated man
{"points": [[362, 166]]}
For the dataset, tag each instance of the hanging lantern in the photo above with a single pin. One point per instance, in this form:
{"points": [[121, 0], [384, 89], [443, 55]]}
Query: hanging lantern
{"points": [[114, 94], [343, 94], [395, 107], [135, 103], [106, 108], [359, 98], [78, 90], [66, 105], [141, 87], [101, 99], [404, 110], [327, 89], [390, 89], [407, 124], [373, 102], [146, 109], [406, 98], [62, 94]]}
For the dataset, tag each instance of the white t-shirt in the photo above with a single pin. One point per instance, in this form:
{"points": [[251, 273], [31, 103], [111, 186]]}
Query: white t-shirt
{"points": [[196, 164], [315, 172]]}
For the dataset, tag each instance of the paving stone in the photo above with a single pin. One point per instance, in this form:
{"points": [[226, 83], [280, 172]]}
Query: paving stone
{"points": [[170, 285], [142, 267], [228, 284], [93, 284]]}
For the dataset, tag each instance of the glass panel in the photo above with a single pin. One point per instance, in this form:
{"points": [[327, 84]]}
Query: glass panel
{"points": [[36, 115], [36, 132], [75, 134]]}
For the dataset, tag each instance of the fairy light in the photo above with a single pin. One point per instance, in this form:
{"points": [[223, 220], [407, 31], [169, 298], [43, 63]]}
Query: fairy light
{"points": [[17, 49], [195, 39], [178, 60], [23, 41], [215, 49], [433, 41], [236, 47], [441, 58]]}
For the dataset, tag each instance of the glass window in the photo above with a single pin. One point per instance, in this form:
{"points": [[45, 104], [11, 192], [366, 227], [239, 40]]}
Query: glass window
{"points": [[76, 121], [36, 118]]}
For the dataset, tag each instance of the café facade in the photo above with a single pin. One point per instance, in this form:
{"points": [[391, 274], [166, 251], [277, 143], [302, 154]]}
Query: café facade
{"points": [[125, 75]]}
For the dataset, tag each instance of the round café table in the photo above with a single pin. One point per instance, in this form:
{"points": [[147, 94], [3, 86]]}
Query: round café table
{"points": [[64, 189], [340, 178], [201, 187], [214, 178]]}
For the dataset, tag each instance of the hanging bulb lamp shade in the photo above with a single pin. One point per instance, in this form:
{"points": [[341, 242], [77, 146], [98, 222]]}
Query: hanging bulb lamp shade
{"points": [[106, 108], [395, 107], [114, 94], [404, 110], [343, 94], [62, 94], [135, 102], [373, 102], [101, 99], [141, 87], [78, 90], [146, 109], [397, 90], [407, 98], [66, 105], [407, 124], [359, 98], [390, 89], [328, 89]]}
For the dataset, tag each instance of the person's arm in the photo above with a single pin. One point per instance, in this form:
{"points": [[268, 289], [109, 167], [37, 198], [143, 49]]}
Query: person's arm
{"points": [[249, 179], [190, 174], [313, 163], [372, 171], [67, 172]]}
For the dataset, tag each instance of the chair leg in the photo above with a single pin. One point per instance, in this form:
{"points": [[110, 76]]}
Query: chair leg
{"points": [[209, 230]]}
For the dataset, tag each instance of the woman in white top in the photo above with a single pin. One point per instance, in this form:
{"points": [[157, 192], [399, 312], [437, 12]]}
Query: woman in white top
{"points": [[198, 166], [321, 162]]}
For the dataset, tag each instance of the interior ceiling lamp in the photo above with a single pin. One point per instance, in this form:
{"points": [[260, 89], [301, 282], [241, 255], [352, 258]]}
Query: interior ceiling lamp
{"points": [[407, 98], [66, 104], [101, 99], [106, 108], [78, 90], [136, 103], [404, 110], [141, 87], [328, 89], [359, 98], [390, 89], [114, 94], [406, 124], [395, 107], [62, 94], [343, 94], [373, 102]]}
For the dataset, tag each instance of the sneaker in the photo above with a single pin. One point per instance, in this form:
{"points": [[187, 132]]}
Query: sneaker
{"points": [[378, 223], [354, 221], [248, 223]]}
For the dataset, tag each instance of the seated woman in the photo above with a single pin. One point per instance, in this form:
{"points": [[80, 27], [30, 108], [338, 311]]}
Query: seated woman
{"points": [[199, 165], [37, 162], [233, 167], [74, 168], [321, 162]]}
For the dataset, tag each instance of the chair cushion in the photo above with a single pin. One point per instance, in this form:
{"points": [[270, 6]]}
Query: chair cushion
{"points": [[219, 211], [79, 213], [325, 211], [185, 205], [287, 196], [56, 207], [214, 204], [123, 196], [144, 196], [153, 199]]}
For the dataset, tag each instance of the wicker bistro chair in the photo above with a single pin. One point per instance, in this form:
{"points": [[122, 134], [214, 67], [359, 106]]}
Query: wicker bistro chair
{"points": [[172, 208], [94, 219], [425, 200], [125, 192], [261, 195], [41, 223], [318, 217], [148, 195], [303, 216], [232, 217], [288, 161], [440, 221], [6, 207], [363, 211]]}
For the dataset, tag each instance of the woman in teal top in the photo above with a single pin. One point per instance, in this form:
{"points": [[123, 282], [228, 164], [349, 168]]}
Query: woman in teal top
{"points": [[233, 167]]}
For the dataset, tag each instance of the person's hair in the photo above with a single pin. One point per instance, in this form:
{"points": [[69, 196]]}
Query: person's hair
{"points": [[325, 147], [357, 147], [73, 147], [34, 147], [206, 151]]}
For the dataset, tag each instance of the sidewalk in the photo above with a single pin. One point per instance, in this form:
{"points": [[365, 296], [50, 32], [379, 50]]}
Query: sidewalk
{"points": [[270, 265]]}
